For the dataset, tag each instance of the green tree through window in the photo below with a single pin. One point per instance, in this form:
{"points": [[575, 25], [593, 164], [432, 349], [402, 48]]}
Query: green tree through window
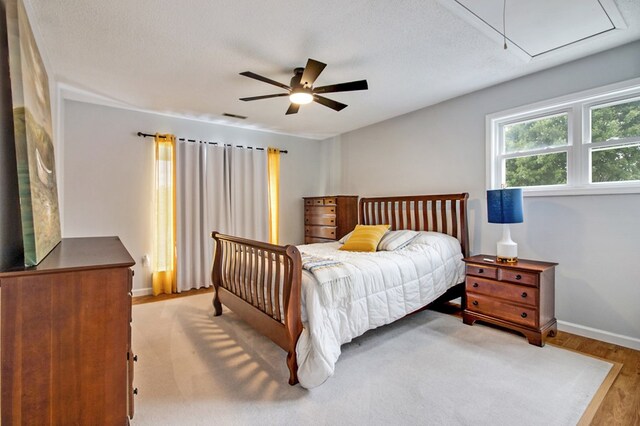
{"points": [[614, 147], [620, 163]]}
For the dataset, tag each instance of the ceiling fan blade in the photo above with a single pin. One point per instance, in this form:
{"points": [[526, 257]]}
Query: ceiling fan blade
{"points": [[255, 98], [329, 103], [264, 79], [311, 71], [343, 87], [293, 109]]}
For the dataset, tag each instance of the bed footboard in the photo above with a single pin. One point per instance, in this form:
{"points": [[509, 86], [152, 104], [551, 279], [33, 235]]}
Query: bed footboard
{"points": [[260, 282]]}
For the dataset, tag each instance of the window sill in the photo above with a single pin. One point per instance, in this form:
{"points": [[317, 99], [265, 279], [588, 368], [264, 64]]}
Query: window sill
{"points": [[599, 190]]}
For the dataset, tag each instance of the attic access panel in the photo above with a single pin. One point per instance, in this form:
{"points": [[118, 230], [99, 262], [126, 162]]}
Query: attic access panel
{"points": [[542, 26]]}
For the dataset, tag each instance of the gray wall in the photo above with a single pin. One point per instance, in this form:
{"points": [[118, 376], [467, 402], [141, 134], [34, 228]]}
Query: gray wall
{"points": [[440, 149], [108, 173], [11, 251]]}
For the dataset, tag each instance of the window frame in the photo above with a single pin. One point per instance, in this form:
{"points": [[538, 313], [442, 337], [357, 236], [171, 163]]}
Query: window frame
{"points": [[577, 106]]}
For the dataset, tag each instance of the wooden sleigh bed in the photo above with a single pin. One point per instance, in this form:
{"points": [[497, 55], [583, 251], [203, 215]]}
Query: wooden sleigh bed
{"points": [[261, 282]]}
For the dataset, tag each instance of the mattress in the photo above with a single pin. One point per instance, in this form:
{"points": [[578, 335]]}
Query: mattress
{"points": [[383, 287]]}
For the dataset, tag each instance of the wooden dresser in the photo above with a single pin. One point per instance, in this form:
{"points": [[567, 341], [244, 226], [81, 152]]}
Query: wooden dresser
{"points": [[519, 296], [66, 337], [329, 218]]}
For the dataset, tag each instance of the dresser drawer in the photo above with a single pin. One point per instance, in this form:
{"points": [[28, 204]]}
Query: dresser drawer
{"points": [[510, 312], [482, 271], [313, 240], [518, 277], [326, 220], [330, 201], [320, 231], [511, 292], [314, 201], [320, 210]]}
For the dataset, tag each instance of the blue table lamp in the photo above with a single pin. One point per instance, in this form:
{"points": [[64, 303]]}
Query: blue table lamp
{"points": [[505, 206]]}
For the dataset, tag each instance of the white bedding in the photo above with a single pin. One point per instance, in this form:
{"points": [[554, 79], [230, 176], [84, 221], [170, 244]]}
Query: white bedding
{"points": [[384, 287]]}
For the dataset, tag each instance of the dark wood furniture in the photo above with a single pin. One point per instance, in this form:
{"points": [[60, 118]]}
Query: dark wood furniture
{"points": [[261, 282], [66, 336], [329, 218], [519, 296]]}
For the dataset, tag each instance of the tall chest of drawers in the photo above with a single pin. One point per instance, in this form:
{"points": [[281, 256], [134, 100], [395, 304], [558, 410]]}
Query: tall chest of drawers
{"points": [[519, 296], [329, 218]]}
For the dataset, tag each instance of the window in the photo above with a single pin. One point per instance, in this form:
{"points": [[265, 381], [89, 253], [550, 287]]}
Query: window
{"points": [[583, 143]]}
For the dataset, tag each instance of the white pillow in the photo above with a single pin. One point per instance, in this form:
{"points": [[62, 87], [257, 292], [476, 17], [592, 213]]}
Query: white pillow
{"points": [[394, 240]]}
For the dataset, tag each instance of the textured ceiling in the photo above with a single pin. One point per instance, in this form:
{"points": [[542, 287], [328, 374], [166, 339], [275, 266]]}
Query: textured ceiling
{"points": [[183, 57]]}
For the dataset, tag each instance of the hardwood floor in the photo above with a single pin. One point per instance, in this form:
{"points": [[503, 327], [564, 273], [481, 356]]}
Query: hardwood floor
{"points": [[147, 299], [621, 404]]}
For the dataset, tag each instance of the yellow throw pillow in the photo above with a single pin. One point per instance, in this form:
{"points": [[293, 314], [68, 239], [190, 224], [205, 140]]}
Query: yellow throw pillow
{"points": [[365, 238]]}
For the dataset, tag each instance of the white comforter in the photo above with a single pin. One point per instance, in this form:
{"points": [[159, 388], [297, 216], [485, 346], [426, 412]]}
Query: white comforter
{"points": [[385, 286]]}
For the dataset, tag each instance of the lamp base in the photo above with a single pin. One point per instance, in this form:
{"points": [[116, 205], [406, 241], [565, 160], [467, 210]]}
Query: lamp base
{"points": [[506, 250]]}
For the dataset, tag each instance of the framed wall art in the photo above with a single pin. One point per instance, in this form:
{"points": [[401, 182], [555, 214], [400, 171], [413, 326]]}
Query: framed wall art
{"points": [[33, 133]]}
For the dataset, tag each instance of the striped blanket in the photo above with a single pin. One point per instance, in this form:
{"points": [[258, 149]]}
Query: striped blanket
{"points": [[333, 276]]}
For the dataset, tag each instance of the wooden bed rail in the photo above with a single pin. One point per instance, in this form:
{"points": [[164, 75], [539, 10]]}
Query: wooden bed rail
{"points": [[440, 213], [260, 282]]}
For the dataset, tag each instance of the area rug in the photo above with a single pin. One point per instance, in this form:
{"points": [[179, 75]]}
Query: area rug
{"points": [[427, 369]]}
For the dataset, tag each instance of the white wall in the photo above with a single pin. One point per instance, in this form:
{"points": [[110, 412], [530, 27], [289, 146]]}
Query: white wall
{"points": [[441, 149], [108, 173]]}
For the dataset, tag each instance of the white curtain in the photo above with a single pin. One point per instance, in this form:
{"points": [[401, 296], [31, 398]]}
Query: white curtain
{"points": [[218, 189], [249, 194]]}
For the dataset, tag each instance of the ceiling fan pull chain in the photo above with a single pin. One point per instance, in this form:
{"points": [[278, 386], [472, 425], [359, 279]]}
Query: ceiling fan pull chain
{"points": [[504, 23]]}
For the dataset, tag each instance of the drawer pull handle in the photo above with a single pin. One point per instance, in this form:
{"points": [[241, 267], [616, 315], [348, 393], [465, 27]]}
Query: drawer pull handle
{"points": [[135, 391], [518, 277], [135, 358], [475, 303], [481, 271], [475, 284], [524, 294], [523, 315]]}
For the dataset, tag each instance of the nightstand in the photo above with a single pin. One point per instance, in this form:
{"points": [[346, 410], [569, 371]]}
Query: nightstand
{"points": [[519, 296]]}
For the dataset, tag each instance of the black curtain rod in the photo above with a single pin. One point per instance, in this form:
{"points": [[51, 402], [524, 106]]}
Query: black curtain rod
{"points": [[149, 135]]}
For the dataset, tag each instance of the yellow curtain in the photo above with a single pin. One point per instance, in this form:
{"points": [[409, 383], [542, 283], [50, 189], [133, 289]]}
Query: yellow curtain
{"points": [[164, 270], [273, 167]]}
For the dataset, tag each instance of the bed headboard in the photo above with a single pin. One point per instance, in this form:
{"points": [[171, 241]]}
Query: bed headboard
{"points": [[441, 213]]}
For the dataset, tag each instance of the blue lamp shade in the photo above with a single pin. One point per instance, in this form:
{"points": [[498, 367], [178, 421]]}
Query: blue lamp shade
{"points": [[505, 205]]}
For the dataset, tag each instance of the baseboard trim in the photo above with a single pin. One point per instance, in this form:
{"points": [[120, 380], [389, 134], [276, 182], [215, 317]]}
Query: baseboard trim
{"points": [[594, 333], [142, 292]]}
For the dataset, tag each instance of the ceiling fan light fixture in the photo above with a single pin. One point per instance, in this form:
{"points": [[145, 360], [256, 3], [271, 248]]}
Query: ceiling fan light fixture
{"points": [[300, 97]]}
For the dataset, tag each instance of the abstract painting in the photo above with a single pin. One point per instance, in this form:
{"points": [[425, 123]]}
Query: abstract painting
{"points": [[33, 138]]}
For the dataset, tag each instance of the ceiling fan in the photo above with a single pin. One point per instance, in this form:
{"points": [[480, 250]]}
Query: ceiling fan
{"points": [[301, 90]]}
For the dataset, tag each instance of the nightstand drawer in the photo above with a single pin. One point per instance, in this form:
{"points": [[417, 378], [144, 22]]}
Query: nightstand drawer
{"points": [[326, 220], [510, 292], [518, 277], [482, 271], [320, 210], [514, 313], [320, 231]]}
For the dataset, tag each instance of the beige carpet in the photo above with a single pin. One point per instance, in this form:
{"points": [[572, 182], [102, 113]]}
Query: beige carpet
{"points": [[427, 369]]}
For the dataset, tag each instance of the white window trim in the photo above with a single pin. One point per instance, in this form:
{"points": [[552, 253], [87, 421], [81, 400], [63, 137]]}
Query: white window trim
{"points": [[579, 133]]}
